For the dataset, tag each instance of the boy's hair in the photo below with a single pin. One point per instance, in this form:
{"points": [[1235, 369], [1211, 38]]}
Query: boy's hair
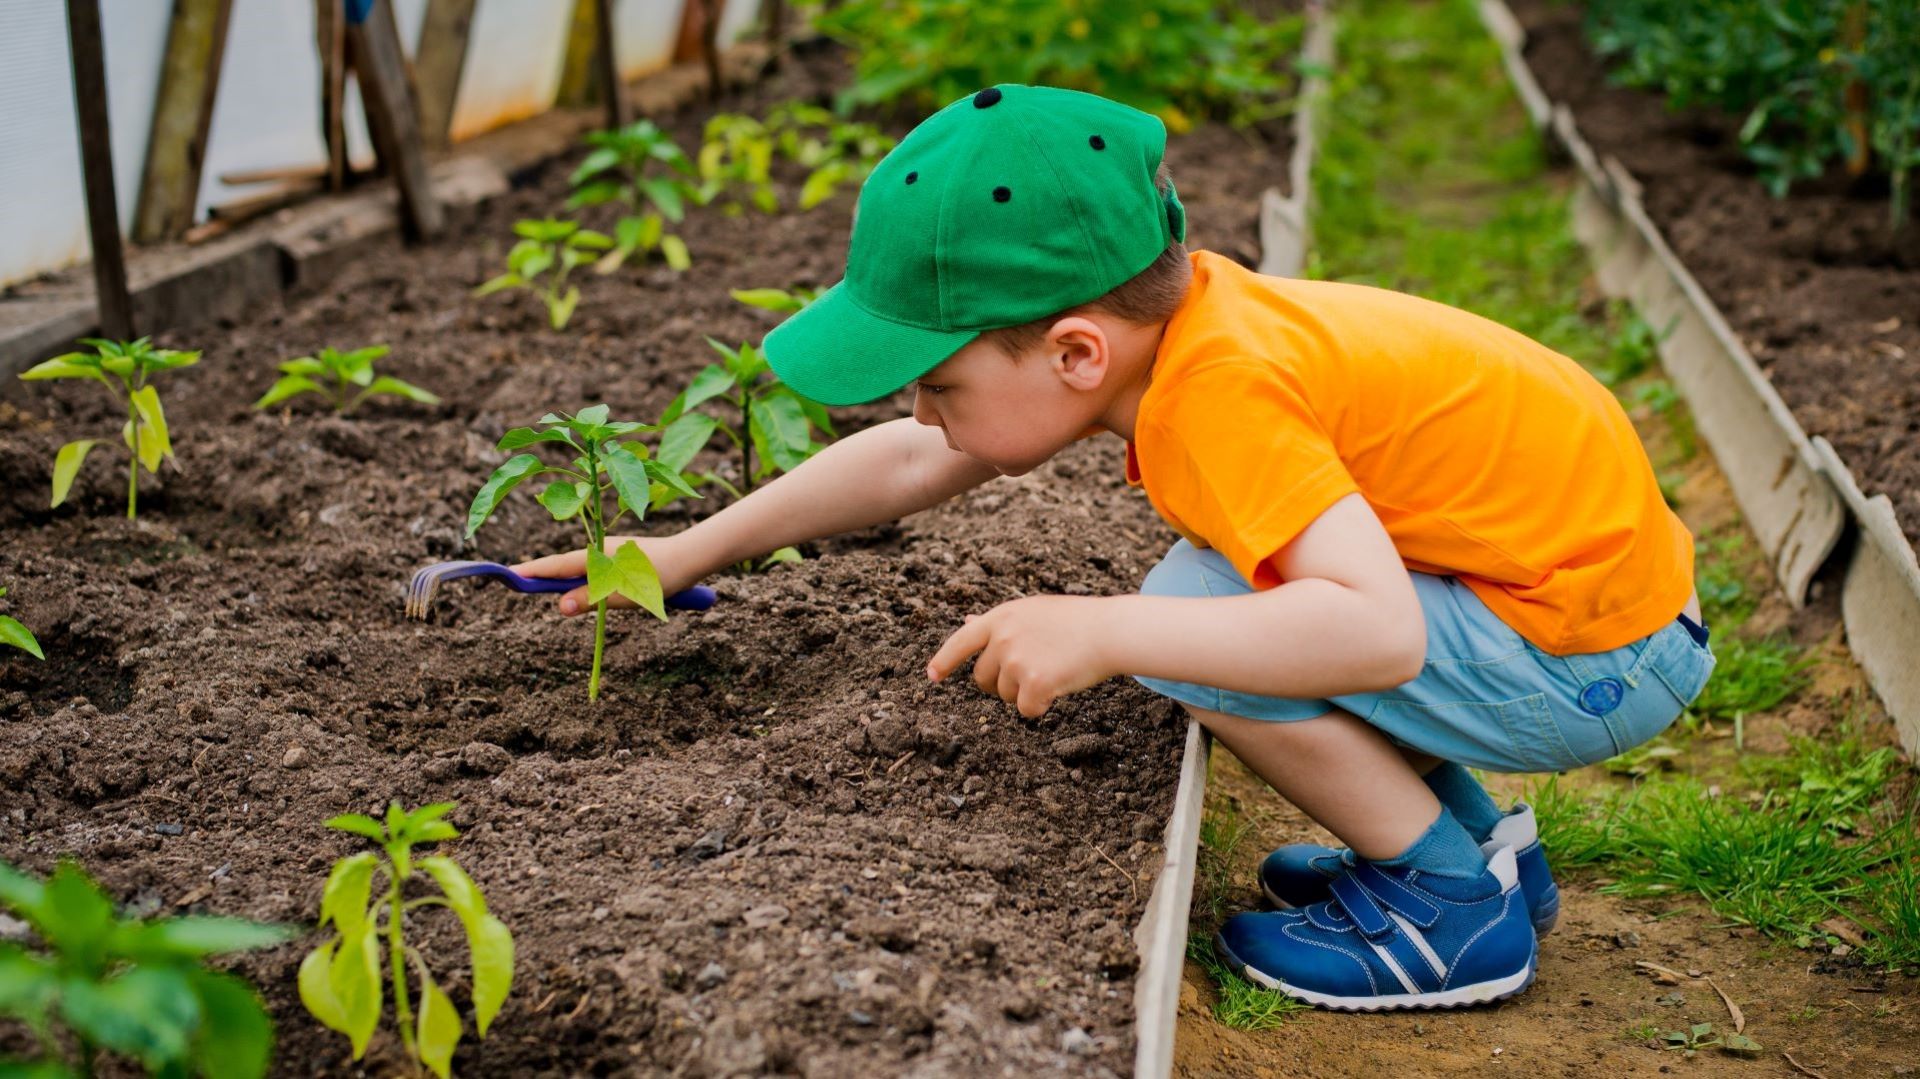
{"points": [[1150, 296]]}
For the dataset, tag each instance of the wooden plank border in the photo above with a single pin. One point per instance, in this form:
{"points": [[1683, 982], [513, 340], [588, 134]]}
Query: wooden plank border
{"points": [[1796, 492]]}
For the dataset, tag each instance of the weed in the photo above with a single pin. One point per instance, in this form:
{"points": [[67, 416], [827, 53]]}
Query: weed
{"points": [[340, 981], [1242, 1004], [132, 363], [1700, 1036], [1635, 347], [335, 376], [1221, 831], [638, 479], [1720, 575], [770, 421], [127, 985], [548, 251], [13, 633], [1751, 675], [643, 169], [1644, 1031]]}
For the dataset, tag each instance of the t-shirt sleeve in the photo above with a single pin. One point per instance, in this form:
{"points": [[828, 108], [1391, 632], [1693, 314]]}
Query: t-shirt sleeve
{"points": [[1235, 453]]}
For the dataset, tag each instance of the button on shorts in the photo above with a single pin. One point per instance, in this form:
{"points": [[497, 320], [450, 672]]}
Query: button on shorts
{"points": [[1486, 697]]}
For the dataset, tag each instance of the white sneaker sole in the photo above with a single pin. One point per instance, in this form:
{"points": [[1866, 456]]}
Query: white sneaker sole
{"points": [[1463, 997]]}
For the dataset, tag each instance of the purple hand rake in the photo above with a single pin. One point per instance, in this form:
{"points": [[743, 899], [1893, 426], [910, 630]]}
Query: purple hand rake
{"points": [[420, 590]]}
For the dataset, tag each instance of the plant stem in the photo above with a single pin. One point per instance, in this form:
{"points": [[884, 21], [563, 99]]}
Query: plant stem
{"points": [[133, 451], [746, 443], [396, 952], [599, 645]]}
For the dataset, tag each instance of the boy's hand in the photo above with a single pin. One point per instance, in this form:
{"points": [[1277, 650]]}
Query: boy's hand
{"points": [[1031, 650], [574, 564]]}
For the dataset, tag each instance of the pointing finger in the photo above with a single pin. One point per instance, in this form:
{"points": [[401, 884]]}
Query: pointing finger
{"points": [[965, 641]]}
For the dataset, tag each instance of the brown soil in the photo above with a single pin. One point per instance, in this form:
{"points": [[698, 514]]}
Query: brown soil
{"points": [[772, 846], [1823, 294]]}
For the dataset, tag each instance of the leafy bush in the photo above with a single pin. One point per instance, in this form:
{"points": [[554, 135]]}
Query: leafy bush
{"points": [[548, 251], [769, 418], [637, 478], [13, 633], [335, 375], [1179, 59], [145, 432], [340, 980], [643, 169], [127, 985], [1815, 81]]}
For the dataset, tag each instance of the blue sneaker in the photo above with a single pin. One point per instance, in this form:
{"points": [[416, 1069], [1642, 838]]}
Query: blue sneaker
{"points": [[1393, 938], [1299, 874]]}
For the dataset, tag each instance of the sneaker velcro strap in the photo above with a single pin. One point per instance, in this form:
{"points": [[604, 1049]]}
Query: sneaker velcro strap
{"points": [[1361, 907], [1398, 897]]}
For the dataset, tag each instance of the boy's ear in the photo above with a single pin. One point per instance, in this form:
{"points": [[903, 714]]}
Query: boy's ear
{"points": [[1077, 349]]}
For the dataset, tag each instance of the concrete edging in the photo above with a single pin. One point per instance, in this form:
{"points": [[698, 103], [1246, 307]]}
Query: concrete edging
{"points": [[1795, 492], [1161, 936]]}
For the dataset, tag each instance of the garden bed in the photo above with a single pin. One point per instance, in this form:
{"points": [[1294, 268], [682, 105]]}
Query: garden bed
{"points": [[771, 845], [1818, 288]]}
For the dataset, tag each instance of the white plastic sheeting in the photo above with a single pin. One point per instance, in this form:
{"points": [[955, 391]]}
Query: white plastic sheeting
{"points": [[267, 112]]}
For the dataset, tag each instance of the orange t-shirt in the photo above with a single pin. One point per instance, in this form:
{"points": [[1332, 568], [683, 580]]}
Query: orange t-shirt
{"points": [[1488, 456]]}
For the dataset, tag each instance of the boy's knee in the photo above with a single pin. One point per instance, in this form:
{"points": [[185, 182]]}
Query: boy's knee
{"points": [[1189, 571]]}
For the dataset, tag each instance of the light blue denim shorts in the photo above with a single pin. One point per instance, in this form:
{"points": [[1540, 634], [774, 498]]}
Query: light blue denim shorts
{"points": [[1486, 697]]}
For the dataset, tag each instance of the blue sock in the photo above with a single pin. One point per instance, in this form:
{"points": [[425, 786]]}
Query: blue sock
{"points": [[1465, 798], [1444, 850]]}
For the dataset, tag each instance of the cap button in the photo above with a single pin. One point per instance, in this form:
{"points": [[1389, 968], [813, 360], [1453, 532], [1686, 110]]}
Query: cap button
{"points": [[987, 97]]}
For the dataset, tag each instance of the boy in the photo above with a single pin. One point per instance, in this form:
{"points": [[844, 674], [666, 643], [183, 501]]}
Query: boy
{"points": [[1414, 541]]}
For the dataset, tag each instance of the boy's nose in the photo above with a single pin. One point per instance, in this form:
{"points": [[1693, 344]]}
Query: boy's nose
{"points": [[923, 411]]}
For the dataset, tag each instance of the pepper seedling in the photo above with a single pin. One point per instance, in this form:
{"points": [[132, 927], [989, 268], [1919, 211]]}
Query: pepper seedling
{"points": [[773, 422], [132, 363], [638, 478], [136, 987], [548, 251], [621, 169], [738, 150], [340, 980], [335, 375], [12, 632]]}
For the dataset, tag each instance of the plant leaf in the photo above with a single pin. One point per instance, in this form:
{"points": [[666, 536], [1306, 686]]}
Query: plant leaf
{"points": [[74, 916], [712, 381], [672, 479], [560, 311], [674, 249], [684, 438], [439, 1027], [66, 465], [19, 636], [627, 572], [148, 1013], [563, 498], [359, 824], [498, 486], [235, 1036], [780, 431], [497, 284], [354, 979], [349, 890], [527, 436], [28, 984], [395, 387], [154, 443], [21, 892], [821, 184], [490, 946], [771, 299], [71, 365], [784, 554], [289, 386], [316, 988], [192, 937], [627, 471], [665, 194]]}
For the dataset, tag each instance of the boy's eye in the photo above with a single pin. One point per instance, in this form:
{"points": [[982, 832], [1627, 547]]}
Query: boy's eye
{"points": [[934, 390]]}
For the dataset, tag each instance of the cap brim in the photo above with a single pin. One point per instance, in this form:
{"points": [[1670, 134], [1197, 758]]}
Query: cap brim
{"points": [[838, 353]]}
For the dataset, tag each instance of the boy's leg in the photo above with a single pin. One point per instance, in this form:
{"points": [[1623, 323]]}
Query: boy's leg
{"points": [[1347, 776], [1456, 788]]}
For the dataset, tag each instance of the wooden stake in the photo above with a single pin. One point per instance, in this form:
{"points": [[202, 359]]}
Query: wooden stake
{"points": [[776, 15], [373, 47], [96, 164], [606, 56], [577, 83], [437, 65], [182, 115], [330, 34], [711, 11]]}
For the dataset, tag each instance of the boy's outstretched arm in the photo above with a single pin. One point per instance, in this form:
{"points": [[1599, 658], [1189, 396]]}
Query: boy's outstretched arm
{"points": [[1346, 620], [880, 474]]}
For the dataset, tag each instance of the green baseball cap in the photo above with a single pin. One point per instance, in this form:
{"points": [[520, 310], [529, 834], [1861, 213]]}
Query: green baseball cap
{"points": [[1006, 206]]}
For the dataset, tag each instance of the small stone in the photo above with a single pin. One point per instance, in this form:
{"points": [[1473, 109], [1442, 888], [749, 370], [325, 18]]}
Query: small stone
{"points": [[710, 845], [761, 917], [1626, 938], [1021, 1007], [1078, 1042], [296, 757], [440, 769], [710, 976], [485, 758], [860, 1018], [169, 829]]}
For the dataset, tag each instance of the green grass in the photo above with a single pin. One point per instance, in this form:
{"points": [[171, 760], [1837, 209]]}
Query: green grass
{"points": [[1751, 674]]}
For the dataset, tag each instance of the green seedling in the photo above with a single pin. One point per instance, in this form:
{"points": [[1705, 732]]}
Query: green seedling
{"points": [[772, 426], [548, 251], [131, 986], [12, 632], [336, 376], [340, 980], [132, 364], [1700, 1036], [783, 301], [738, 151], [639, 479], [643, 169]]}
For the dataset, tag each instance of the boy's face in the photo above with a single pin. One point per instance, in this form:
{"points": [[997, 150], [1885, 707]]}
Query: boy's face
{"points": [[1014, 414]]}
